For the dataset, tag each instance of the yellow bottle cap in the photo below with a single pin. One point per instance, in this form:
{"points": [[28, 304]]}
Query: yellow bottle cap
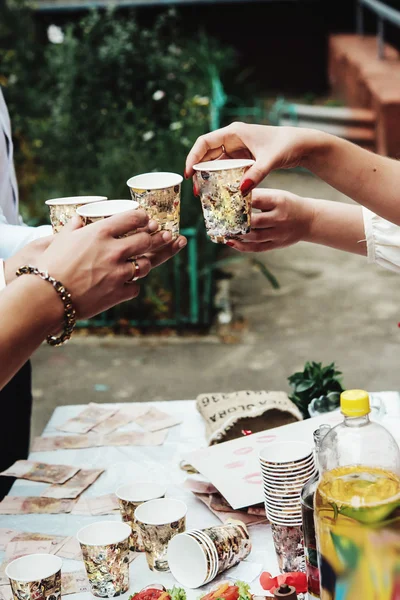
{"points": [[355, 403]]}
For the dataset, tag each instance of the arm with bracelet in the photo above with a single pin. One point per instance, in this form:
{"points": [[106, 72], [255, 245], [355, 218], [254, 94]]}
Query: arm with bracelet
{"points": [[84, 271]]}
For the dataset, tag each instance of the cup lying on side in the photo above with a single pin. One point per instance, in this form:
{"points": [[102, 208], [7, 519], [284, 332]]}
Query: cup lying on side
{"points": [[198, 556], [105, 550], [91, 213], [227, 213], [132, 495], [63, 209], [159, 521], [159, 194], [35, 576]]}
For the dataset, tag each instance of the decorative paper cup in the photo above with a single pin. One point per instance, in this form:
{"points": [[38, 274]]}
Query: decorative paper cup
{"points": [[105, 550], [232, 543], [159, 521], [227, 213], [206, 541], [159, 194], [132, 495], [190, 561], [289, 547], [35, 576], [278, 454], [101, 210], [63, 209]]}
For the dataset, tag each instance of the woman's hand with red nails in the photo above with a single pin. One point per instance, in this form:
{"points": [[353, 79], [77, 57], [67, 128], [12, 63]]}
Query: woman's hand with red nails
{"points": [[285, 219], [270, 147]]}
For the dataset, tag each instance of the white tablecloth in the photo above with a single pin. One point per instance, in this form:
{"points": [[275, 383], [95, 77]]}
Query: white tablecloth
{"points": [[124, 464]]}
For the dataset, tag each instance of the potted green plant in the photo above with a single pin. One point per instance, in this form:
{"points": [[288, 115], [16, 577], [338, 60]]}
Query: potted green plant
{"points": [[316, 389]]}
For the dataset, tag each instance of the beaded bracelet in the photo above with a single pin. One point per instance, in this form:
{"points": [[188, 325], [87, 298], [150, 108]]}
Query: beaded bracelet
{"points": [[69, 311]]}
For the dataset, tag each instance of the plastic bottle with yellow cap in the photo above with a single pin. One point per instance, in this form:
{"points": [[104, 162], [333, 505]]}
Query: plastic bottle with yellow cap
{"points": [[357, 440], [357, 506]]}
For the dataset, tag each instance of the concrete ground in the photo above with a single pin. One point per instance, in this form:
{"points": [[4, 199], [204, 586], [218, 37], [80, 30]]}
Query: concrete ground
{"points": [[331, 307]]}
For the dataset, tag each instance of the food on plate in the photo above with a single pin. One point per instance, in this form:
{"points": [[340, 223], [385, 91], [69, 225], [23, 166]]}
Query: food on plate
{"points": [[158, 592], [230, 591]]}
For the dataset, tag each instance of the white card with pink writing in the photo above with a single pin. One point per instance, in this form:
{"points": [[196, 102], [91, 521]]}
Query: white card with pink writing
{"points": [[233, 467]]}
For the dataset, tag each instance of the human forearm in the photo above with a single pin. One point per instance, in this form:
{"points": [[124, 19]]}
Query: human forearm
{"points": [[29, 311], [337, 225], [371, 180]]}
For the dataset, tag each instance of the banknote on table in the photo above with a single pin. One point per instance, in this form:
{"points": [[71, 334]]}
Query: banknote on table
{"points": [[26, 505], [37, 471], [223, 512], [70, 549], [91, 416], [24, 547], [6, 535], [123, 417], [100, 505], [91, 440], [28, 537], [75, 486], [75, 582], [65, 442], [155, 420], [135, 438]]}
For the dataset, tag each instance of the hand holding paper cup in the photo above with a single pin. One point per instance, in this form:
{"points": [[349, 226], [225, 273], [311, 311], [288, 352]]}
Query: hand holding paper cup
{"points": [[63, 209], [101, 210], [227, 213], [105, 550], [132, 495], [159, 195], [35, 576], [159, 521]]}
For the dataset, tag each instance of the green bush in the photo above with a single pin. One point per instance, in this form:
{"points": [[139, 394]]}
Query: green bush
{"points": [[110, 100]]}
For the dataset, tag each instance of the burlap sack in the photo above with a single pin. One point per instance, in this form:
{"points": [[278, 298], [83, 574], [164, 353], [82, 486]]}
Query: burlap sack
{"points": [[228, 415]]}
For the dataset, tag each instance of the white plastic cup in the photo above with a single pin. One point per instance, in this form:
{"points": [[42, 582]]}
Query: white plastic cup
{"points": [[159, 521], [105, 550], [35, 572], [63, 209], [130, 497]]}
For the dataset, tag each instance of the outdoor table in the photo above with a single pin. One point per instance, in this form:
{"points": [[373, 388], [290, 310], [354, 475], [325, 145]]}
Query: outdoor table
{"points": [[127, 463]]}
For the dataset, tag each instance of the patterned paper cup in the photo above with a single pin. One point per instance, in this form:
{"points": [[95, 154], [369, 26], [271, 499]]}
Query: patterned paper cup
{"points": [[101, 210], [289, 547], [190, 560], [206, 541], [63, 209], [159, 521], [160, 196], [286, 454], [227, 213], [37, 576], [232, 543], [132, 495], [105, 550]]}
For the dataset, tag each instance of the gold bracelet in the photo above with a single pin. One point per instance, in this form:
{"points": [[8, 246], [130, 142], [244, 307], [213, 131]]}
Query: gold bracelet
{"points": [[69, 311]]}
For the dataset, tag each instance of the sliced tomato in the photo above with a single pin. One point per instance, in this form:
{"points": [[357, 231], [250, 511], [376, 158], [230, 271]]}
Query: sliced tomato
{"points": [[229, 593], [149, 594]]}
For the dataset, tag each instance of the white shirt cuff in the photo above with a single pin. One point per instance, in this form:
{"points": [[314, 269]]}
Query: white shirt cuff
{"points": [[383, 241], [2, 275]]}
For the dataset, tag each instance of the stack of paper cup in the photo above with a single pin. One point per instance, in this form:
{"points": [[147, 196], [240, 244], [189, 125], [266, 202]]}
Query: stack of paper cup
{"points": [[285, 468], [196, 557]]}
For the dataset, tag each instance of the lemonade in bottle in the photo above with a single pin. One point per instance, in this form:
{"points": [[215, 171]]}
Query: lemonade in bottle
{"points": [[357, 507]]}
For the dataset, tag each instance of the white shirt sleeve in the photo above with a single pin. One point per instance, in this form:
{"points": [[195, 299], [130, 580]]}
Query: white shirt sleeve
{"points": [[15, 237], [383, 241]]}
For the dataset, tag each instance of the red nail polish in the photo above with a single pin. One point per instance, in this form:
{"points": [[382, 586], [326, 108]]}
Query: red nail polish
{"points": [[246, 186], [185, 174], [230, 244], [196, 190]]}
